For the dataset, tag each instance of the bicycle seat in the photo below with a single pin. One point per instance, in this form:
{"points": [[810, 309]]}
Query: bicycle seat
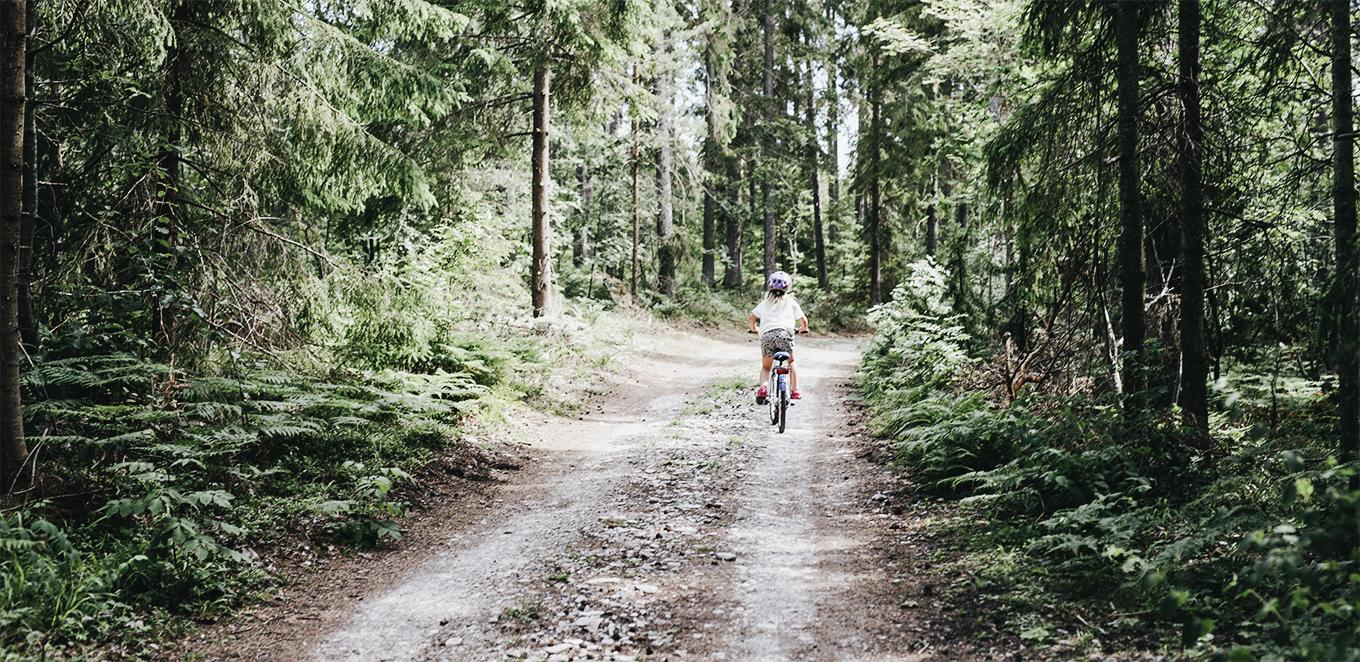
{"points": [[782, 356]]}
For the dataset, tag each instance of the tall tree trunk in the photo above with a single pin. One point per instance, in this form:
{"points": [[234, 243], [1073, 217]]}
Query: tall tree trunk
{"points": [[711, 164], [768, 89], [1194, 400], [875, 192], [1343, 196], [833, 131], [814, 169], [13, 41], [734, 217], [542, 278], [579, 244], [751, 193], [732, 277], [933, 220], [665, 221], [637, 230], [28, 324], [861, 141], [960, 265], [166, 229], [590, 215], [1130, 200], [771, 264]]}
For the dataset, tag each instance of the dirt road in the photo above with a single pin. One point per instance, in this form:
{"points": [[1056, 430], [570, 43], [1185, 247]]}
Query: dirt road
{"points": [[669, 522]]}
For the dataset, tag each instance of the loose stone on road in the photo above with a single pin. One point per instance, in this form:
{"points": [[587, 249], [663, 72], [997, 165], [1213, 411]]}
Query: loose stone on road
{"points": [[673, 523]]}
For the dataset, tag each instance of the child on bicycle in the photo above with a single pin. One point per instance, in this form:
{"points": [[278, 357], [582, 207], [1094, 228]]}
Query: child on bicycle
{"points": [[780, 317]]}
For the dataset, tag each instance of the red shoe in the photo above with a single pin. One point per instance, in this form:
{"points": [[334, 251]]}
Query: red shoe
{"points": [[795, 396], [761, 394]]}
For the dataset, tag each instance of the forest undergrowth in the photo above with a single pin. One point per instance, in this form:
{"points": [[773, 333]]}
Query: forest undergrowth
{"points": [[159, 492], [1087, 531]]}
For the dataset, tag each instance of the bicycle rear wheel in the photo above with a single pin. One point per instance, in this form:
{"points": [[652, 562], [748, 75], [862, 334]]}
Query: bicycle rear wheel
{"points": [[773, 399], [783, 404]]}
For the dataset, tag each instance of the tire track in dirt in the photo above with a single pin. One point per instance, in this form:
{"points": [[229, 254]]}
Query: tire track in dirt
{"points": [[783, 500], [478, 580], [672, 523]]}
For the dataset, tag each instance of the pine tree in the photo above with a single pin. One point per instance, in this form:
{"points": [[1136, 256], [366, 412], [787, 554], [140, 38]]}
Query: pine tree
{"points": [[875, 165], [767, 146], [1130, 200], [13, 57], [541, 278], [1195, 370], [1346, 282], [667, 283]]}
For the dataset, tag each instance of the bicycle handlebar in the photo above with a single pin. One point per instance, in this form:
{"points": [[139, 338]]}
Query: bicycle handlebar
{"points": [[795, 332]]}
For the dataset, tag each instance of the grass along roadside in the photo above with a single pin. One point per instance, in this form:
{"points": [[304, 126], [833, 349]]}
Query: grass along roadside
{"points": [[163, 500]]}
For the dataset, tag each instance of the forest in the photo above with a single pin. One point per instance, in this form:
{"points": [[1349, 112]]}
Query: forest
{"points": [[261, 260]]}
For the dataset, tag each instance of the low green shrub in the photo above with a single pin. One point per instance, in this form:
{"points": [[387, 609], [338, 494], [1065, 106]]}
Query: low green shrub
{"points": [[180, 471], [48, 588], [371, 514], [589, 284], [919, 345], [1218, 540], [703, 305]]}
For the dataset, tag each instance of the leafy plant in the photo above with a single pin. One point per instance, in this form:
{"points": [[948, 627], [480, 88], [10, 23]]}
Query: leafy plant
{"points": [[48, 589], [919, 343], [172, 514], [524, 611], [1305, 575], [371, 512]]}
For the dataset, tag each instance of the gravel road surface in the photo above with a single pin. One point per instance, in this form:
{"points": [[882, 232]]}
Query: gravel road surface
{"points": [[669, 521]]}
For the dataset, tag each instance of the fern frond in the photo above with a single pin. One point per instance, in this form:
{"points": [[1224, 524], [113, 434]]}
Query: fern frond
{"points": [[213, 410], [353, 421], [130, 438], [283, 426]]}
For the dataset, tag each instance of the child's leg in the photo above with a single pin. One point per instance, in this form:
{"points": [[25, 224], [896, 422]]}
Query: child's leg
{"points": [[793, 377], [766, 363]]}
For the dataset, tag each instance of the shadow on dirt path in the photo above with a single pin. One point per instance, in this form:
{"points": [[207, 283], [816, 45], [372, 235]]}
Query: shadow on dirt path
{"points": [[671, 522]]}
